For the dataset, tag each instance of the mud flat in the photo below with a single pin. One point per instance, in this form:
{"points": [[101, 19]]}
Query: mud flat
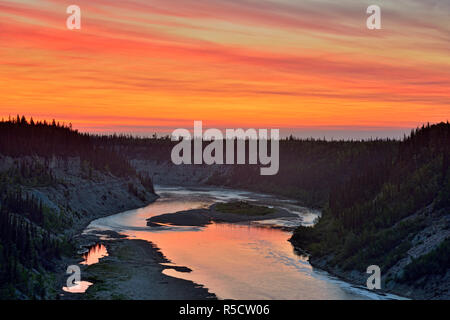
{"points": [[133, 270], [202, 217]]}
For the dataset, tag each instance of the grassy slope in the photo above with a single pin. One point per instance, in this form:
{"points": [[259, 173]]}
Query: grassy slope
{"points": [[244, 208]]}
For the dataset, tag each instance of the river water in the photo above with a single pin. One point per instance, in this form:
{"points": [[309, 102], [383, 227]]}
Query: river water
{"points": [[234, 261]]}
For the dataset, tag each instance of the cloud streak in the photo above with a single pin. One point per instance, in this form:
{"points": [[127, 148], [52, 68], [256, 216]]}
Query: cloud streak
{"points": [[283, 63]]}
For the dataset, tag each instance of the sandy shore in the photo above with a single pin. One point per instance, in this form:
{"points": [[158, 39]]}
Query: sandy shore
{"points": [[132, 270]]}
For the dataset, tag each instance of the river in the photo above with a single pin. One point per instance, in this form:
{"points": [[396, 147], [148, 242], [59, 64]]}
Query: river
{"points": [[234, 261]]}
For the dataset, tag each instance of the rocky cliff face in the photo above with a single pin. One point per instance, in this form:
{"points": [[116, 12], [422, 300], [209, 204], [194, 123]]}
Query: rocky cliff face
{"points": [[432, 234], [165, 172], [47, 202], [80, 195]]}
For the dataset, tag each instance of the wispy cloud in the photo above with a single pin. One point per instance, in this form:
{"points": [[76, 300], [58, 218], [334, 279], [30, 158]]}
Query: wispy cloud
{"points": [[243, 62]]}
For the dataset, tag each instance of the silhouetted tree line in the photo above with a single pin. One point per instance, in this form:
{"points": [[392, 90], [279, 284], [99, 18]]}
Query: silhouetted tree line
{"points": [[27, 245], [27, 206], [365, 187], [309, 168], [26, 173], [21, 137], [408, 181], [147, 182], [360, 225], [135, 147], [24, 249]]}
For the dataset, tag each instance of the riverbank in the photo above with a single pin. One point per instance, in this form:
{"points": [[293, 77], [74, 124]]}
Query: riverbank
{"points": [[223, 256], [432, 231], [133, 268], [354, 277], [133, 271], [436, 288], [67, 195]]}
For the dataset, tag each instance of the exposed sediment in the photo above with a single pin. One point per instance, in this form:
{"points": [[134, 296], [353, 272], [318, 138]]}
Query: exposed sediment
{"points": [[133, 270], [202, 217]]}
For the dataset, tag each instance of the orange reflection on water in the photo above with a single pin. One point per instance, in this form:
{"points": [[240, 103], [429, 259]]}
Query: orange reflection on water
{"points": [[255, 260], [94, 254], [80, 287]]}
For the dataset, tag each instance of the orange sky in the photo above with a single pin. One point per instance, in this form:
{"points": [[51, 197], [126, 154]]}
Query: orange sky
{"points": [[140, 66]]}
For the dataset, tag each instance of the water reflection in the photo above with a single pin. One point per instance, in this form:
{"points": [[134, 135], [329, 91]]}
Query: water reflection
{"points": [[94, 254], [235, 261], [79, 287], [244, 262]]}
